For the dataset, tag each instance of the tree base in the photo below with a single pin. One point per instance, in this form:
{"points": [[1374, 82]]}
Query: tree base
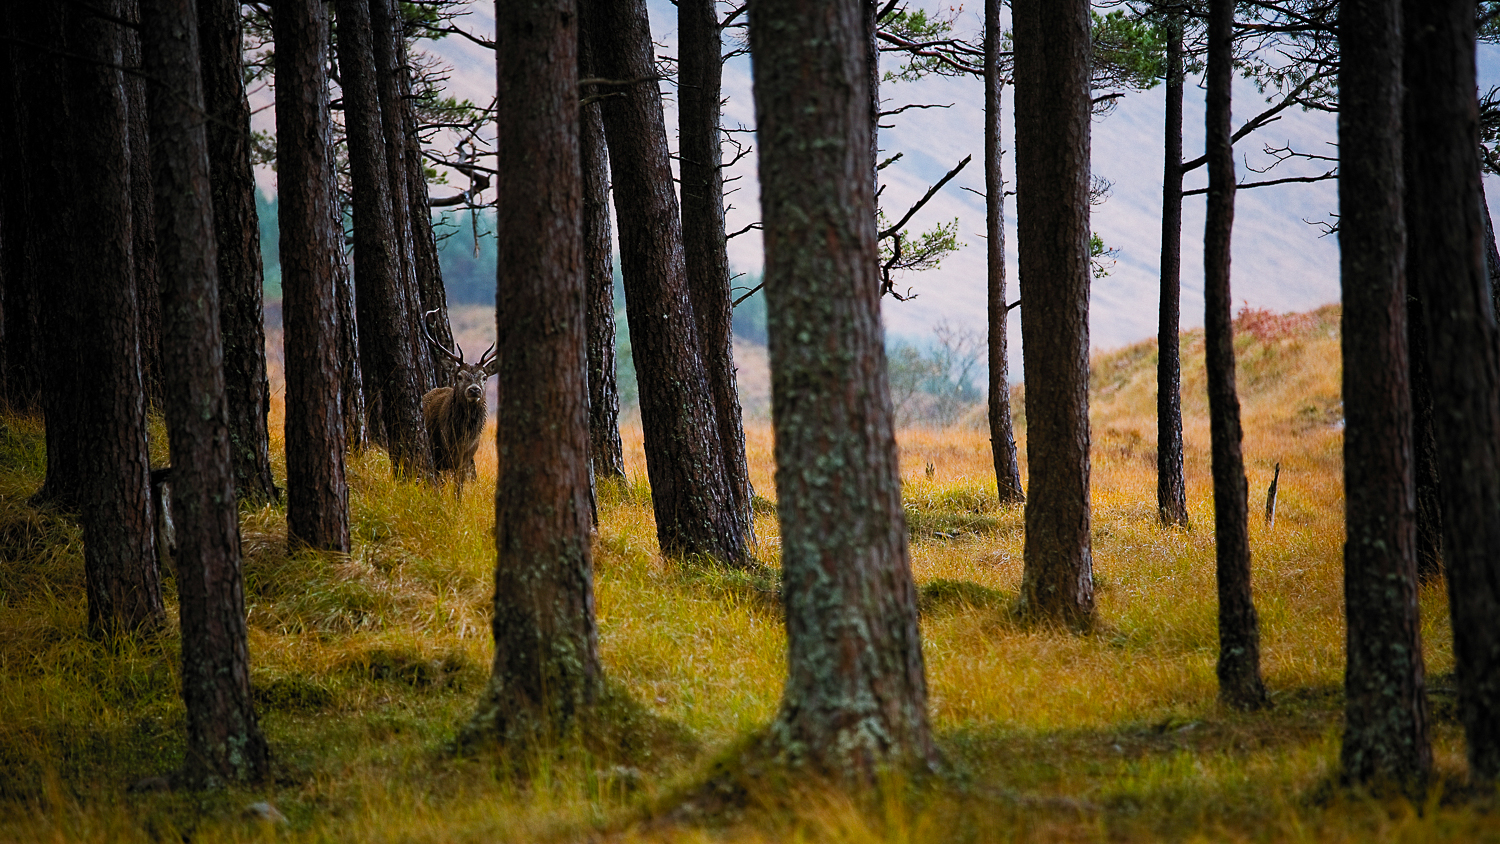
{"points": [[614, 729]]}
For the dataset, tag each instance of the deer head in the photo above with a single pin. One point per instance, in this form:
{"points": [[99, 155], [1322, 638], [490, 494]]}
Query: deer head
{"points": [[468, 378]]}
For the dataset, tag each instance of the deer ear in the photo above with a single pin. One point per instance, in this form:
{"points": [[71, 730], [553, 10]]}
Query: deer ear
{"points": [[492, 367]]}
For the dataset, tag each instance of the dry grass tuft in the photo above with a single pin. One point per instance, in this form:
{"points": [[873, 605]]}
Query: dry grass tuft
{"points": [[365, 665]]}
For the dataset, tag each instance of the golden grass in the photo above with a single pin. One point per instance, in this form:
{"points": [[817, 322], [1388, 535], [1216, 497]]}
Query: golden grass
{"points": [[366, 665]]}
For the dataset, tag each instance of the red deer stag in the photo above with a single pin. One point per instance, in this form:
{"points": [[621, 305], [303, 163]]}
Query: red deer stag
{"points": [[455, 414]]}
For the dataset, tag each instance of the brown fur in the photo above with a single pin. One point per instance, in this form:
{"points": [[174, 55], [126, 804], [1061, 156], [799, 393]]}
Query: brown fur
{"points": [[455, 414]]}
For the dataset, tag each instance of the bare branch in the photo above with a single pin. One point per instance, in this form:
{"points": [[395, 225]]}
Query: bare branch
{"points": [[923, 201], [914, 105]]}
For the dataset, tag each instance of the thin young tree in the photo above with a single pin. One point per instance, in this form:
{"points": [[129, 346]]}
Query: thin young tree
{"points": [[1239, 629], [546, 670], [605, 449], [1446, 269], [1171, 486], [1052, 184], [1002, 430], [224, 738], [690, 490], [237, 235], [1385, 706], [700, 68], [317, 492], [384, 288], [855, 699], [93, 399]]}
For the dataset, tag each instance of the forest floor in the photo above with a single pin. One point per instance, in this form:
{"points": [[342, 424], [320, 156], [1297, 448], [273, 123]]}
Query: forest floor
{"points": [[365, 666]]}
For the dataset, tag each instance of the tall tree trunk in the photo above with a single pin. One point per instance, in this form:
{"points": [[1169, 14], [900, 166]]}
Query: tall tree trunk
{"points": [[1424, 440], [21, 319], [1052, 181], [237, 234], [40, 79], [1239, 630], [705, 250], [1002, 433], [1385, 704], [1446, 267], [429, 272], [395, 102], [856, 696], [143, 226], [546, 668], [94, 399], [317, 493], [605, 449], [1491, 250], [393, 380], [1171, 487], [691, 496], [351, 374], [224, 739], [870, 18]]}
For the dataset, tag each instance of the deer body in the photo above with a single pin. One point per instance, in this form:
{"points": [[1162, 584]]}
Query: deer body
{"points": [[455, 414]]}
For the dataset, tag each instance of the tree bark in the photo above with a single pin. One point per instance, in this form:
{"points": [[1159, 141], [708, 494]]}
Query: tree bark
{"points": [[705, 249], [429, 272], [691, 496], [1171, 486], [237, 235], [94, 406], [394, 89], [605, 448], [351, 375], [21, 319], [856, 697], [546, 669], [1385, 704], [143, 226], [1446, 267], [394, 383], [224, 739], [1052, 180], [1239, 629], [1002, 433], [1424, 440], [317, 493]]}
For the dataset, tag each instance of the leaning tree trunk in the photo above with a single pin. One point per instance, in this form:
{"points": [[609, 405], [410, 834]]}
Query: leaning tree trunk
{"points": [[690, 493], [856, 697], [1385, 704], [1171, 487], [546, 669], [394, 383], [700, 69], [1002, 432], [237, 235], [1446, 266], [224, 739], [77, 136], [1239, 630], [317, 493], [605, 449], [1052, 181]]}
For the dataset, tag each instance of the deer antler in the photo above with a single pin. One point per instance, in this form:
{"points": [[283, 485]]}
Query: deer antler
{"points": [[487, 358], [458, 358]]}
